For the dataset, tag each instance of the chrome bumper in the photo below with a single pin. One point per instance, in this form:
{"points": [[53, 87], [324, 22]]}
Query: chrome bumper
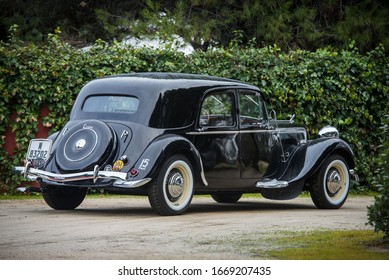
{"points": [[120, 178]]}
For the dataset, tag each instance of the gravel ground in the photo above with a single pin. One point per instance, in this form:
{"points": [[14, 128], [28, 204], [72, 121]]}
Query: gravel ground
{"points": [[127, 228]]}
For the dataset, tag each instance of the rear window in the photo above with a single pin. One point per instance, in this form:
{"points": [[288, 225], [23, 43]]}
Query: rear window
{"points": [[111, 104]]}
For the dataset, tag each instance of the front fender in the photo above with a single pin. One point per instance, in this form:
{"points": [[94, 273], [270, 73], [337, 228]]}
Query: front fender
{"points": [[307, 159], [149, 163]]}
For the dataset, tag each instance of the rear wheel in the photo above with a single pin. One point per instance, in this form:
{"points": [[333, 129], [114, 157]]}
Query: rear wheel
{"points": [[66, 198], [231, 197], [332, 183], [172, 191]]}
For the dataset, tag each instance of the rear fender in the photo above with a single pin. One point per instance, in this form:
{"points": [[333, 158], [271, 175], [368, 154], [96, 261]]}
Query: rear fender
{"points": [[149, 163], [307, 159]]}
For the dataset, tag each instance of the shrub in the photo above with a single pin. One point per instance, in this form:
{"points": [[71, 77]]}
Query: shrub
{"points": [[378, 213], [338, 87]]}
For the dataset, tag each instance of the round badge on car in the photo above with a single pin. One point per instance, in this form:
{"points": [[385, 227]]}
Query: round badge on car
{"points": [[80, 144]]}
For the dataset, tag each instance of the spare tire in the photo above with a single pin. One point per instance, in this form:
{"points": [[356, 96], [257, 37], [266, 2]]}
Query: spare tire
{"points": [[85, 145]]}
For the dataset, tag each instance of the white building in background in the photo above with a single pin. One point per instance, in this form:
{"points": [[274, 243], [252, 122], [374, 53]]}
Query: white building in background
{"points": [[178, 44]]}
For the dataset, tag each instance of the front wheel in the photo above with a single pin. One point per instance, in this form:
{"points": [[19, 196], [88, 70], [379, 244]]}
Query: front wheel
{"points": [[331, 186], [172, 191], [64, 198]]}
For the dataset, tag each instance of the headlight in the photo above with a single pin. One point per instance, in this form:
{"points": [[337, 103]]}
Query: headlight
{"points": [[328, 131]]}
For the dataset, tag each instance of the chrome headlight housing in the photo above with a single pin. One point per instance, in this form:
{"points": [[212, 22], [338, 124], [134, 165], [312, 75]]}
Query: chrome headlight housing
{"points": [[328, 131]]}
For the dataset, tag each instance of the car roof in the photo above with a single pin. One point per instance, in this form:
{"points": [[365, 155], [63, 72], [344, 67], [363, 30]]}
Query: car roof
{"points": [[165, 99], [175, 76], [176, 79]]}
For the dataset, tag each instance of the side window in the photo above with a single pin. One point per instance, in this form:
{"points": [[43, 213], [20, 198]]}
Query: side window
{"points": [[217, 110], [252, 110]]}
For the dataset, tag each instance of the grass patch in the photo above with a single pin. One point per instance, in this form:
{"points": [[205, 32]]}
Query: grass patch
{"points": [[20, 196], [329, 245], [296, 245]]}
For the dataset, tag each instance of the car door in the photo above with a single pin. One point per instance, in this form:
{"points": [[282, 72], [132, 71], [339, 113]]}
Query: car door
{"points": [[258, 143], [217, 138]]}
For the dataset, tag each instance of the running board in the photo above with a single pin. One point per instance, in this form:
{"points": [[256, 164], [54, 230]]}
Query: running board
{"points": [[272, 184]]}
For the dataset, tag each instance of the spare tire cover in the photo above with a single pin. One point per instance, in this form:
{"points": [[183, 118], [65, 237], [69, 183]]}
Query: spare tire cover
{"points": [[85, 145]]}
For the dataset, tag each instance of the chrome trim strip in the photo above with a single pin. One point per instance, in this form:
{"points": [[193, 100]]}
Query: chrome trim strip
{"points": [[290, 129], [279, 130], [120, 177], [212, 132], [255, 131]]}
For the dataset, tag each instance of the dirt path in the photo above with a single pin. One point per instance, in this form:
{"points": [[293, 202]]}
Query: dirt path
{"points": [[126, 228]]}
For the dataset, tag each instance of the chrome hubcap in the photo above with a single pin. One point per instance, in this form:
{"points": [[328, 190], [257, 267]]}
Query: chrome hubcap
{"points": [[334, 182], [175, 185], [178, 185]]}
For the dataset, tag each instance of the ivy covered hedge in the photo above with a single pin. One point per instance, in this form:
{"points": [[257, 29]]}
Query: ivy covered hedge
{"points": [[378, 213], [343, 88]]}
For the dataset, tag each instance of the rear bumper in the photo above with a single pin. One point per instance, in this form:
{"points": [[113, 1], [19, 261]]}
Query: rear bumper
{"points": [[121, 179]]}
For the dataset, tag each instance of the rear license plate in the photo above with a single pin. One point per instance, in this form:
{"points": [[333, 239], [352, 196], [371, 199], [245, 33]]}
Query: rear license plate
{"points": [[39, 151]]}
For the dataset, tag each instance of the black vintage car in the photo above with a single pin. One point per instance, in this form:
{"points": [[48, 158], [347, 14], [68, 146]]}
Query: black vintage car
{"points": [[170, 136]]}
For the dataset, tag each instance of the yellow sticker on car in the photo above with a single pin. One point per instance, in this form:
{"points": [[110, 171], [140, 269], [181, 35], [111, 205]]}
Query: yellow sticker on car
{"points": [[118, 165]]}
